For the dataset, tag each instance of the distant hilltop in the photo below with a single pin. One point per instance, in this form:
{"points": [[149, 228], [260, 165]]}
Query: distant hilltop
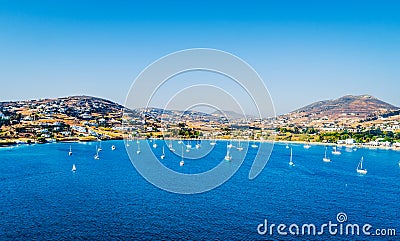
{"points": [[72, 118], [70, 105], [351, 105]]}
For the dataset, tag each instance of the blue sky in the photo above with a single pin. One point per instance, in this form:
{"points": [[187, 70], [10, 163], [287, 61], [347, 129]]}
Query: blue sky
{"points": [[305, 51]]}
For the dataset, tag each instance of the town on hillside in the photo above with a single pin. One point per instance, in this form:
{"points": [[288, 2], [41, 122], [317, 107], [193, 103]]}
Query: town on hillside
{"points": [[349, 120]]}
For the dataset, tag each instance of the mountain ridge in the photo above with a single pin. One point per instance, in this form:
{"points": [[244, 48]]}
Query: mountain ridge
{"points": [[355, 105], [358, 105]]}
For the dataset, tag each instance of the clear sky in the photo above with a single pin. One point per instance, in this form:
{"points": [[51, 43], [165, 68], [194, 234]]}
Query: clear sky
{"points": [[305, 51]]}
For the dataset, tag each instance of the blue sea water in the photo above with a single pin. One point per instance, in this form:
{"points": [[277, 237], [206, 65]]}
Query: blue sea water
{"points": [[107, 199]]}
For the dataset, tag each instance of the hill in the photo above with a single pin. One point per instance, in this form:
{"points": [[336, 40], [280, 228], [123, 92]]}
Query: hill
{"points": [[352, 105], [71, 106]]}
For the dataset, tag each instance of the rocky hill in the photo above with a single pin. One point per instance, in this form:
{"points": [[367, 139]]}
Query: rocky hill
{"points": [[351, 105], [69, 105]]}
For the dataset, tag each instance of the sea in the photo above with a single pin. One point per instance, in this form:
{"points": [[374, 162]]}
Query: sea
{"points": [[108, 199]]}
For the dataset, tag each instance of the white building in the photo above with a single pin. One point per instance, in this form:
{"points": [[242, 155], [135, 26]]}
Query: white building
{"points": [[79, 129]]}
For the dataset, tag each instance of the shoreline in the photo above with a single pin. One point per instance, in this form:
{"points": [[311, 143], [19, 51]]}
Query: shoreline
{"points": [[18, 142], [357, 145], [76, 140]]}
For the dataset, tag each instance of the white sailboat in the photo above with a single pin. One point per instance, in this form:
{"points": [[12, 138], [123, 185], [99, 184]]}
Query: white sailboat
{"points": [[307, 146], [213, 142], [70, 151], [230, 145], [198, 146], [155, 144], [163, 153], [138, 148], [228, 157], [188, 145], [239, 147], [73, 168], [182, 162], [326, 159], [336, 151], [96, 157], [291, 163], [287, 146], [100, 149], [254, 145], [112, 148], [360, 169], [170, 146]]}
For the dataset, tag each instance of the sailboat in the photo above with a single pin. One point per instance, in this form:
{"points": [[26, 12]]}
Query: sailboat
{"points": [[163, 153], [228, 157], [239, 147], [155, 144], [336, 151], [96, 157], [138, 148], [70, 151], [189, 145], [229, 145], [100, 149], [287, 146], [170, 146], [291, 163], [360, 169], [326, 159], [112, 148], [213, 142], [180, 141], [307, 146], [198, 145], [73, 168], [182, 162]]}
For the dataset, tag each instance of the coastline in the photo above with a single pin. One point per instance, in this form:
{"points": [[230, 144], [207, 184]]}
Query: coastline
{"points": [[18, 142], [357, 145]]}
